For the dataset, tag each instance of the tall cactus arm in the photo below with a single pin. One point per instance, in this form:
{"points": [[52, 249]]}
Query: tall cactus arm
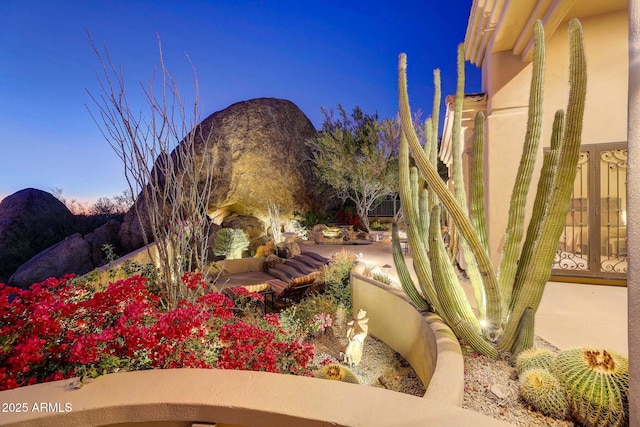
{"points": [[536, 276], [478, 213], [457, 311], [548, 178], [456, 136], [515, 223], [404, 276], [416, 182], [460, 192], [445, 279], [526, 334], [494, 312], [420, 261], [435, 117], [428, 135]]}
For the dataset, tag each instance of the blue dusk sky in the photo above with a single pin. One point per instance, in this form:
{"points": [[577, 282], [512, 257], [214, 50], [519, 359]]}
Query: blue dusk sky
{"points": [[314, 53]]}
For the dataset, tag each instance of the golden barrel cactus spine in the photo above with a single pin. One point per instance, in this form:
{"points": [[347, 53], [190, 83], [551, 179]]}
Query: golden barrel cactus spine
{"points": [[542, 390], [535, 358], [337, 372], [597, 386]]}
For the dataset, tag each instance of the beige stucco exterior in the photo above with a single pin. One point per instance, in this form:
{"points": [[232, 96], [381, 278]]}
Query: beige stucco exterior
{"points": [[499, 39]]}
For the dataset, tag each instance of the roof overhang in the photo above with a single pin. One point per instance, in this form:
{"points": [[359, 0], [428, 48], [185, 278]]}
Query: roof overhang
{"points": [[507, 25]]}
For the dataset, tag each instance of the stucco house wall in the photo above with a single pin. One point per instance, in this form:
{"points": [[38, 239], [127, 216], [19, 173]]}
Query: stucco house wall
{"points": [[506, 75]]}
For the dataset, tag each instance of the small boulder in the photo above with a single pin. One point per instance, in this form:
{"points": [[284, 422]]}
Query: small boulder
{"points": [[288, 249], [72, 255]]}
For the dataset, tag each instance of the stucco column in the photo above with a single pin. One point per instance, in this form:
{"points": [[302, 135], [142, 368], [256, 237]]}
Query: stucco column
{"points": [[633, 199]]}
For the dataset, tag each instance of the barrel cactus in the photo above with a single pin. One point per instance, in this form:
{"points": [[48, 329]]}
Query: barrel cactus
{"points": [[534, 358], [542, 390], [337, 373], [597, 385]]}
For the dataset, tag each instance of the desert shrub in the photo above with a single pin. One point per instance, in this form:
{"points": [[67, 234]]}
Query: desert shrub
{"points": [[348, 216], [306, 220], [336, 277], [383, 278], [313, 314], [267, 249], [378, 226]]}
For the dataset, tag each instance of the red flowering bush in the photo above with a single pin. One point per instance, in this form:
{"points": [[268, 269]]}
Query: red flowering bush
{"points": [[348, 216], [62, 328]]}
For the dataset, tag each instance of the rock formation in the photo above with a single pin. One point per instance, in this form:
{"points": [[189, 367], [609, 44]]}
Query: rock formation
{"points": [[259, 156], [30, 220], [72, 255]]}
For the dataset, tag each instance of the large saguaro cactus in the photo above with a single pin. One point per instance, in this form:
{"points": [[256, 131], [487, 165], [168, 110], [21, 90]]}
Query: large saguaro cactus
{"points": [[509, 297]]}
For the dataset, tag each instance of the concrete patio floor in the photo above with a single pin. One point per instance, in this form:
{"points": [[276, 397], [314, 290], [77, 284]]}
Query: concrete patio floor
{"points": [[570, 315]]}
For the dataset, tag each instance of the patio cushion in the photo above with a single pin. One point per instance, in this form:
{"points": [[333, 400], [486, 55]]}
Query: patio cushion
{"points": [[279, 274], [316, 256], [259, 287], [312, 262], [304, 280], [300, 266], [278, 287], [292, 272]]}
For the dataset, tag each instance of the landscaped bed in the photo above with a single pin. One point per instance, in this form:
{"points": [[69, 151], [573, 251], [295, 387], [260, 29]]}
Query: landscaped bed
{"points": [[63, 328]]}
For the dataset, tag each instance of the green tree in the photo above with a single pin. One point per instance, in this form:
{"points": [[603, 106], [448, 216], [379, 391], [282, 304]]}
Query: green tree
{"points": [[356, 156]]}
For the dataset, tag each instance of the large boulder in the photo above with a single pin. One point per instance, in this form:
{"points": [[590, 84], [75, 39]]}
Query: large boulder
{"points": [[105, 234], [30, 221], [258, 154], [72, 255]]}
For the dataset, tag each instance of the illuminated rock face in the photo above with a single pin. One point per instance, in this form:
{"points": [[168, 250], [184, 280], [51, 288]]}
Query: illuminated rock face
{"points": [[258, 157]]}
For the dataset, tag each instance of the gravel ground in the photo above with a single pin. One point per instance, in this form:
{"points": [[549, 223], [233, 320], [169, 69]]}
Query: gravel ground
{"points": [[380, 365], [491, 386]]}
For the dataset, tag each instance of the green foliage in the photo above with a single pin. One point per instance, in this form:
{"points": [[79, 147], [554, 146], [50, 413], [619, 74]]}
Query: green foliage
{"points": [[230, 242], [377, 226], [597, 385], [109, 252], [534, 358], [336, 277], [540, 389], [312, 305], [306, 220], [383, 278], [355, 155], [337, 372]]}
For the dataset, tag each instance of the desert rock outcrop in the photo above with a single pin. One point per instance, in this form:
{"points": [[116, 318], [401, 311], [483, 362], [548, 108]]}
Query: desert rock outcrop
{"points": [[30, 220], [259, 156]]}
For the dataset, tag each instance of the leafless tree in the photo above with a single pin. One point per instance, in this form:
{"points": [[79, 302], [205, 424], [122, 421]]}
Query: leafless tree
{"points": [[167, 167]]}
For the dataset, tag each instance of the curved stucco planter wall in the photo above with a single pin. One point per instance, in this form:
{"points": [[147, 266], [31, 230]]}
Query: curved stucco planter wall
{"points": [[421, 338], [198, 397]]}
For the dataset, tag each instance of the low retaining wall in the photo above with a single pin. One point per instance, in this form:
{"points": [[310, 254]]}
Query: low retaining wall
{"points": [[421, 338]]}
